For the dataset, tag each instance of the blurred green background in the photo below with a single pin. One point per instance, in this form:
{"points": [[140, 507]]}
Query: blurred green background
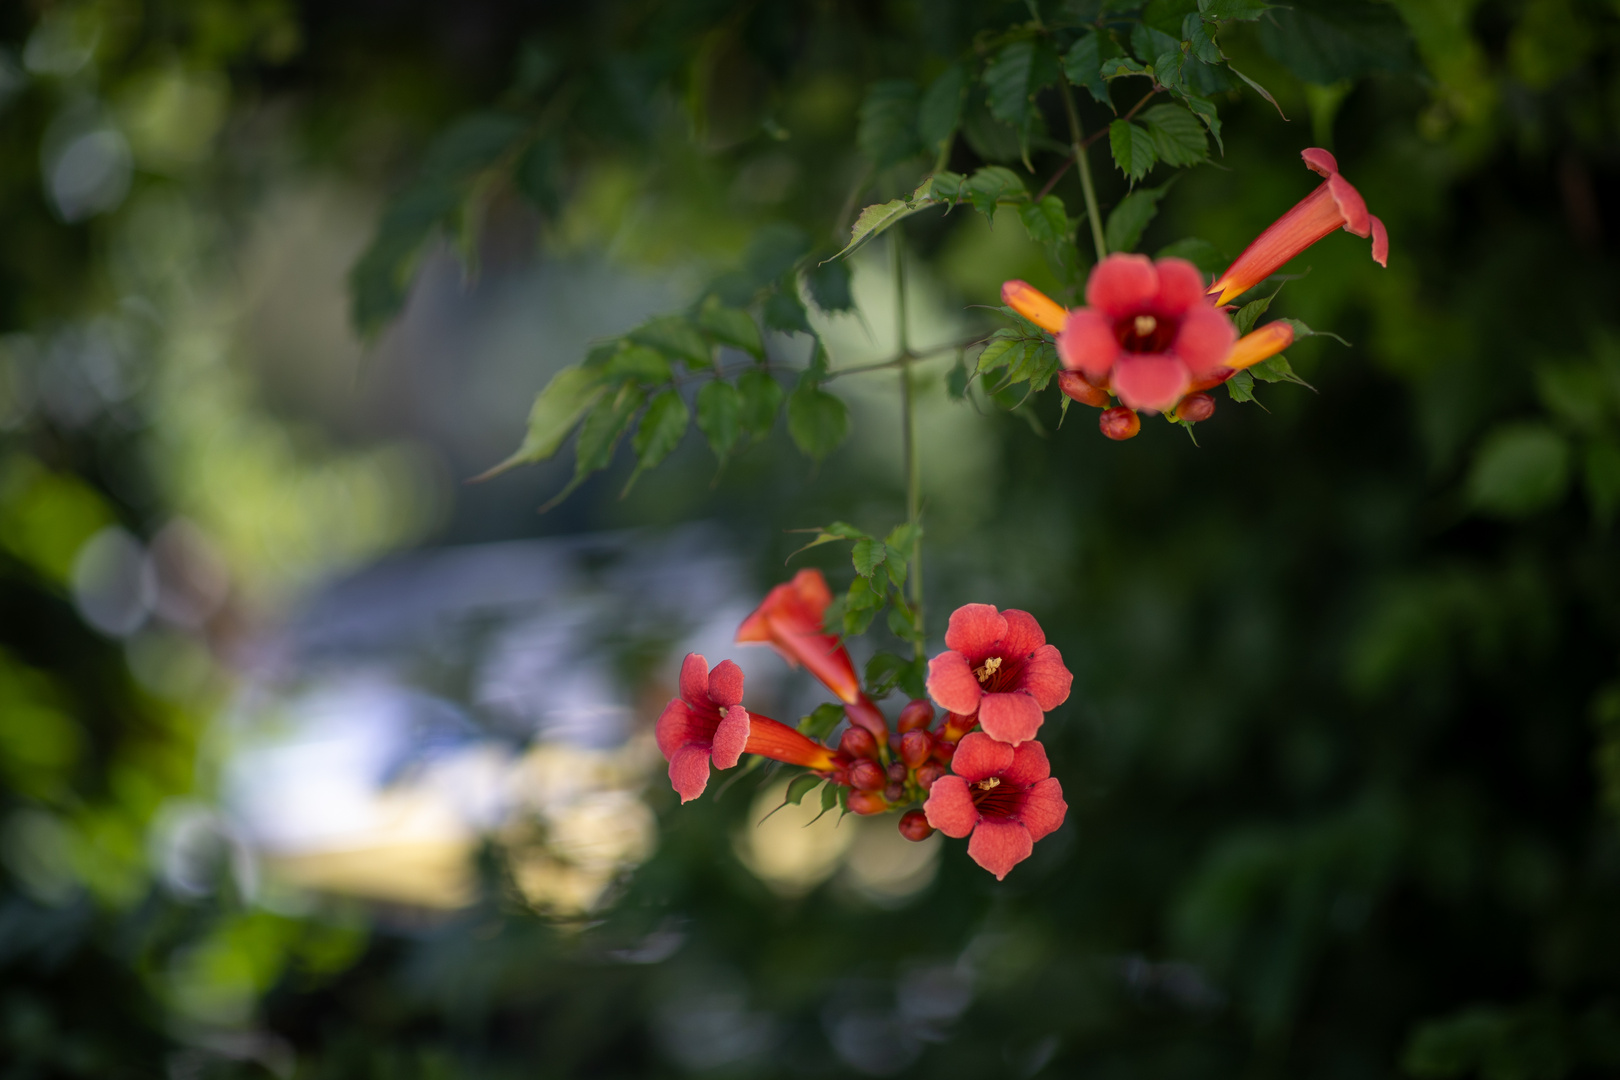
{"points": [[317, 762]]}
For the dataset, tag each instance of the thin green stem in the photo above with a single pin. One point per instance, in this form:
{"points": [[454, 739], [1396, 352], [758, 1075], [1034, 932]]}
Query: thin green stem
{"points": [[1077, 137], [908, 435]]}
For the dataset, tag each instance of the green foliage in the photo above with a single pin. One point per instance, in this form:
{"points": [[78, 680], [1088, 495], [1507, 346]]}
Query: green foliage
{"points": [[1519, 469], [1177, 135], [821, 720], [1323, 41], [719, 416], [1131, 216], [940, 110], [1132, 147], [662, 426], [566, 398], [817, 421]]}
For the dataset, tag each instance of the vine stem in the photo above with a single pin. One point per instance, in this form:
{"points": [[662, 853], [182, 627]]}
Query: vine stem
{"points": [[908, 435], [1077, 137]]}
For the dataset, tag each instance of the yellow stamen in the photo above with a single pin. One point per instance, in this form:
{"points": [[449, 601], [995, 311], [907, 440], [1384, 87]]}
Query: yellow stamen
{"points": [[991, 666], [1145, 325], [986, 785]]}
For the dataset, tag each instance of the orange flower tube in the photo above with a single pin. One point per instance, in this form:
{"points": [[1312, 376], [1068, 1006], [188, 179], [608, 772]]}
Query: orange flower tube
{"points": [[775, 740], [1262, 344]]}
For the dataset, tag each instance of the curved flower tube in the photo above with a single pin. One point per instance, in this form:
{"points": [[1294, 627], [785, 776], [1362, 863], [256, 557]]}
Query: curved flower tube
{"points": [[1335, 204], [999, 665], [1003, 797], [790, 620]]}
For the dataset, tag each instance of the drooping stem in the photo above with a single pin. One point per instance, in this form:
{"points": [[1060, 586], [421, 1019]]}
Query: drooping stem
{"points": [[1077, 137], [908, 435]]}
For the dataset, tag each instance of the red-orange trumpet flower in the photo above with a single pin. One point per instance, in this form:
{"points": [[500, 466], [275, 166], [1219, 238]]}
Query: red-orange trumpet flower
{"points": [[1335, 204], [790, 621]]}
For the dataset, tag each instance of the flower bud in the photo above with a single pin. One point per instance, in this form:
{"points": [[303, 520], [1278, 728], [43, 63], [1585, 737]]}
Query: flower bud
{"points": [[957, 725], [915, 746], [917, 714], [894, 791], [867, 775], [1119, 423], [1196, 407], [867, 802], [914, 826], [943, 751], [928, 773], [1074, 385], [898, 771], [857, 742]]}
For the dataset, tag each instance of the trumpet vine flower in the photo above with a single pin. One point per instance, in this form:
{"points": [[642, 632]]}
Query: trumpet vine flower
{"points": [[1003, 797], [998, 665]]}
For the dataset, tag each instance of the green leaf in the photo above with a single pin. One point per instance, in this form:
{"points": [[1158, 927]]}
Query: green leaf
{"points": [[1083, 64], [1119, 67], [774, 250], [472, 144], [731, 326], [864, 596], [883, 673], [556, 410], [868, 555], [1257, 88], [1577, 394], [1132, 147], [1602, 477], [1324, 41], [759, 396], [1301, 332], [1204, 109], [1168, 15], [1178, 137], [874, 220], [538, 176], [829, 285], [1131, 216], [1046, 221], [1243, 10], [829, 797], [821, 721], [1241, 386], [956, 382], [940, 110], [1007, 81], [606, 422], [719, 409], [992, 185], [662, 426], [785, 312], [1250, 313], [886, 130], [817, 420], [902, 623], [381, 278], [1277, 369], [674, 336], [1518, 470], [1200, 38], [802, 785], [997, 353], [903, 538], [1201, 253], [637, 363], [828, 534]]}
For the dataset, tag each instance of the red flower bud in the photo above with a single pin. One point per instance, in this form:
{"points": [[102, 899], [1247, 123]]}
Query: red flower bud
{"points": [[1196, 407], [1119, 423], [928, 773], [867, 775], [915, 746], [957, 725], [914, 826], [894, 791], [943, 751], [867, 802], [917, 714], [1074, 385], [857, 742], [897, 771]]}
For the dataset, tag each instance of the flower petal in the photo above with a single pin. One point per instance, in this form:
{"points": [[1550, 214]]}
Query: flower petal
{"points": [[1088, 344], [951, 683], [1380, 239], [950, 807], [998, 846], [974, 630], [1205, 340], [679, 725], [689, 771], [730, 736], [1181, 286], [726, 683], [1010, 718], [811, 589], [1319, 160], [1029, 765], [1351, 205], [979, 757], [1122, 285], [1044, 808], [1149, 381], [695, 679], [1046, 678], [1024, 634]]}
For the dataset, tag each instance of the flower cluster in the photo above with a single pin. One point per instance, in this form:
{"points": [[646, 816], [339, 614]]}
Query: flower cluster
{"points": [[1155, 336], [975, 768]]}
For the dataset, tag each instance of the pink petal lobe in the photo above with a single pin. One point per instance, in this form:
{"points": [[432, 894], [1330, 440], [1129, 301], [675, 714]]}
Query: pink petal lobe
{"points": [[1181, 286], [1205, 340], [1044, 809], [1024, 634], [726, 683], [1046, 678], [695, 679], [1122, 285], [677, 726], [1009, 718], [1350, 204], [974, 629], [951, 683], [979, 757], [1029, 765], [813, 591], [998, 846], [731, 736], [1088, 344], [689, 771], [950, 807], [1150, 382], [1319, 160], [1380, 239]]}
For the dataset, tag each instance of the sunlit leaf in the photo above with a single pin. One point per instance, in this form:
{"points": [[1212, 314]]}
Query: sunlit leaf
{"points": [[556, 410]]}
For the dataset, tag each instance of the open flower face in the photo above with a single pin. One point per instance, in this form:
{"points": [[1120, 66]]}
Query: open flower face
{"points": [[999, 666], [1004, 797], [706, 723], [1148, 331]]}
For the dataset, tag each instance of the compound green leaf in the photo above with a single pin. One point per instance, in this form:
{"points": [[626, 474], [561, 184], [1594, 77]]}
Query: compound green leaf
{"points": [[1178, 137], [556, 410], [1132, 147], [662, 426]]}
